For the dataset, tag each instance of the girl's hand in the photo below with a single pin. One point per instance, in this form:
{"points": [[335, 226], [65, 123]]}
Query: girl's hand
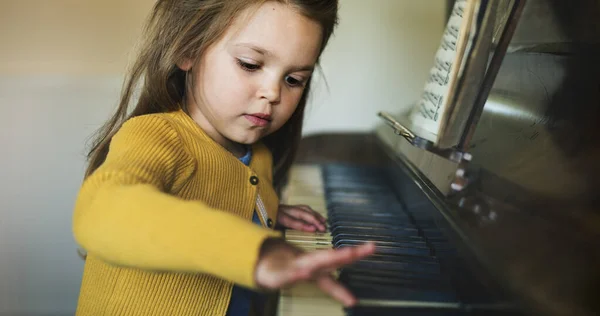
{"points": [[281, 265], [301, 217]]}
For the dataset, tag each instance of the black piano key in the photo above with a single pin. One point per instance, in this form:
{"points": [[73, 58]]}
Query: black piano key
{"points": [[354, 224], [402, 311], [387, 208], [361, 269], [390, 258], [383, 207], [372, 217], [427, 311], [358, 240], [390, 206], [368, 231], [355, 191], [360, 195], [382, 244], [337, 183], [375, 237], [352, 170], [361, 239], [355, 187], [390, 292], [366, 220], [405, 251], [398, 265], [366, 212], [402, 281]]}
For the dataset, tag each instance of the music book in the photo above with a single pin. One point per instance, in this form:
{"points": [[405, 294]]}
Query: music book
{"points": [[460, 63]]}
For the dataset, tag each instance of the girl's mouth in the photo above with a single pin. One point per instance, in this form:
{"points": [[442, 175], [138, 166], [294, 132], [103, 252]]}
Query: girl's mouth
{"points": [[258, 119]]}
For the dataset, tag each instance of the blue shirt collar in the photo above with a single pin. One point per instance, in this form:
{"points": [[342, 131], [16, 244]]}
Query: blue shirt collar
{"points": [[247, 157]]}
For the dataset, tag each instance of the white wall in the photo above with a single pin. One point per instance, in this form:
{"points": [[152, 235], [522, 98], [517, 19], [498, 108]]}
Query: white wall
{"points": [[44, 123], [55, 92], [378, 60]]}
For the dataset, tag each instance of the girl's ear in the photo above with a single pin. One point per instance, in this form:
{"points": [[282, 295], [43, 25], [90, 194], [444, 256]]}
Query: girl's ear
{"points": [[185, 64]]}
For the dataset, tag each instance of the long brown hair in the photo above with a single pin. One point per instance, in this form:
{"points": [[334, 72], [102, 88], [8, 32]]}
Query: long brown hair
{"points": [[180, 29]]}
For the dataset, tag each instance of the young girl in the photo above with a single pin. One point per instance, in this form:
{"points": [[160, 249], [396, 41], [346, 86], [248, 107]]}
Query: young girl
{"points": [[166, 209]]}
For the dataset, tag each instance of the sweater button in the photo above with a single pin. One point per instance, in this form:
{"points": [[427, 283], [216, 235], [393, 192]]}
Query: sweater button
{"points": [[270, 223], [254, 180]]}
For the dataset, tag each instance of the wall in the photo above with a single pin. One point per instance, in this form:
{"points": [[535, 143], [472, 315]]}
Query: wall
{"points": [[60, 72], [378, 61], [68, 36]]}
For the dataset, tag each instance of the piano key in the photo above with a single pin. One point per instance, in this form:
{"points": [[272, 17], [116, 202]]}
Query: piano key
{"points": [[412, 282], [368, 210], [411, 308], [358, 241], [366, 238], [368, 231], [391, 258], [383, 244], [398, 265], [388, 292], [404, 311], [335, 195], [359, 270], [364, 224], [406, 251]]}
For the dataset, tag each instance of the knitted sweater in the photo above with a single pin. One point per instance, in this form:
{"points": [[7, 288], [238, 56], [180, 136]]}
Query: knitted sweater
{"points": [[166, 221]]}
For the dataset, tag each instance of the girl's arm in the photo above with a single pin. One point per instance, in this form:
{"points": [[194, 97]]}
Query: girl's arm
{"points": [[124, 216]]}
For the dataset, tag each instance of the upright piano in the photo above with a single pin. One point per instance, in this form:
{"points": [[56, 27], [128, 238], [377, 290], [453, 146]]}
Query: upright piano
{"points": [[511, 227]]}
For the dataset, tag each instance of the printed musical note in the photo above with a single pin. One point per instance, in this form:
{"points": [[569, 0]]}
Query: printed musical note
{"points": [[458, 10], [424, 112], [452, 31], [445, 64], [442, 65], [448, 44], [432, 97], [439, 79]]}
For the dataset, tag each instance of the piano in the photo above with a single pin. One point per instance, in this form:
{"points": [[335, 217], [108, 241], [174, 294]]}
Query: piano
{"points": [[512, 228]]}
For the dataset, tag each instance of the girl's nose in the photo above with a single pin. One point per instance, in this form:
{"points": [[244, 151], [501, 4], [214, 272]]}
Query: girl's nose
{"points": [[270, 90]]}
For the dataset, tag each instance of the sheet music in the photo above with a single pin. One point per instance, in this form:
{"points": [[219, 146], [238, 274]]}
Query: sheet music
{"points": [[471, 74], [427, 116]]}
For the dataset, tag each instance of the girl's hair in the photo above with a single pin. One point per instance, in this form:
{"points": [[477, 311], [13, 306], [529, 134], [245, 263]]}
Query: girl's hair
{"points": [[183, 29]]}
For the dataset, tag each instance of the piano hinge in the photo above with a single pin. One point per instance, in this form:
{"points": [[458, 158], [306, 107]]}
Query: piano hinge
{"points": [[463, 159], [452, 154]]}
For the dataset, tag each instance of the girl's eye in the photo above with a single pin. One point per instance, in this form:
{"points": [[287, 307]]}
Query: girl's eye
{"points": [[293, 81], [248, 66]]}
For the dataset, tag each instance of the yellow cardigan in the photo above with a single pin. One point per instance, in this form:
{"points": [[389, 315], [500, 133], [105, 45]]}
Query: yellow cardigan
{"points": [[166, 221]]}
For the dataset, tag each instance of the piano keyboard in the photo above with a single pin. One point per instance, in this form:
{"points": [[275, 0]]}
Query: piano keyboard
{"points": [[415, 271]]}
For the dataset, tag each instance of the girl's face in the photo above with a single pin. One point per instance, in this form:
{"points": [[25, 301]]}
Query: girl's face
{"points": [[249, 83]]}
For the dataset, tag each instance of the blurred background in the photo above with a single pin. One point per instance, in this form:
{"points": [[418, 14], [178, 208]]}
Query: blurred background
{"points": [[61, 68]]}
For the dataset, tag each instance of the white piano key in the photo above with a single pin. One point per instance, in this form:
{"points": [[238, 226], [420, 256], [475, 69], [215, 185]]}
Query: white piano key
{"points": [[305, 186]]}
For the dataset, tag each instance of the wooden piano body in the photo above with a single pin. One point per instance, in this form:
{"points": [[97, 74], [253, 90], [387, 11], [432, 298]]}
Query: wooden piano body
{"points": [[526, 227]]}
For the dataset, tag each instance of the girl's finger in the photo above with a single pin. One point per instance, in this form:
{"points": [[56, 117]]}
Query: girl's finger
{"points": [[307, 216], [318, 261], [336, 290], [320, 217], [293, 223]]}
